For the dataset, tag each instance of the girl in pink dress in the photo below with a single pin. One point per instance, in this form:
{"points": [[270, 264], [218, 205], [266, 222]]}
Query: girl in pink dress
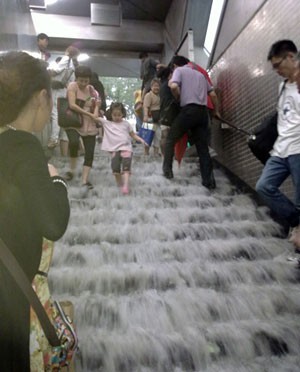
{"points": [[117, 140]]}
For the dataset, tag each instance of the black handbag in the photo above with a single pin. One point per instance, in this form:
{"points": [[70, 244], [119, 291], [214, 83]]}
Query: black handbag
{"points": [[169, 113], [263, 138], [68, 118], [264, 135]]}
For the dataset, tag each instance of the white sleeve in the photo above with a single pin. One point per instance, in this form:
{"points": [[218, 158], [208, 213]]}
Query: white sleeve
{"points": [[61, 65]]}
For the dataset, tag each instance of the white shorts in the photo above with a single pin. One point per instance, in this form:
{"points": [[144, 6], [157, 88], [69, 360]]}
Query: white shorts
{"points": [[157, 135]]}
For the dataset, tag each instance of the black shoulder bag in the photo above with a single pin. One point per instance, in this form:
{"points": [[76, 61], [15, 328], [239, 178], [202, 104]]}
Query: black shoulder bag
{"points": [[265, 134]]}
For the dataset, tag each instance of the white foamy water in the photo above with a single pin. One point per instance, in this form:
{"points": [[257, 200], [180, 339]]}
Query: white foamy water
{"points": [[174, 277]]}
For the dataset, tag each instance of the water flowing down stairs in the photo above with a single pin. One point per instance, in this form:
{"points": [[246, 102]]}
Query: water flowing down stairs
{"points": [[174, 277]]}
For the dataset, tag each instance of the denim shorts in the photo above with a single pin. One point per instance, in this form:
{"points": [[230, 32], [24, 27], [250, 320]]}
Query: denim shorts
{"points": [[121, 160]]}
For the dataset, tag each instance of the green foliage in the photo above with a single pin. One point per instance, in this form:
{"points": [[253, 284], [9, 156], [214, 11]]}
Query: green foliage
{"points": [[119, 89]]}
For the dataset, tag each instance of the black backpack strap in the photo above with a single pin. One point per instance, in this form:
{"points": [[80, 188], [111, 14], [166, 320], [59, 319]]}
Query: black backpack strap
{"points": [[282, 88]]}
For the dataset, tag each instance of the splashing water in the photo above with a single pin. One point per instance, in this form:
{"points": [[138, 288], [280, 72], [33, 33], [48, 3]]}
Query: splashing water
{"points": [[175, 278]]}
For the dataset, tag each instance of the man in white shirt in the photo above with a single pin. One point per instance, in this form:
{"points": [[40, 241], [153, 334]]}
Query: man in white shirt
{"points": [[42, 43], [285, 155]]}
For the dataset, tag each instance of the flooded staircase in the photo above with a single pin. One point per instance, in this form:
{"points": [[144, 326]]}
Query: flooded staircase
{"points": [[174, 277]]}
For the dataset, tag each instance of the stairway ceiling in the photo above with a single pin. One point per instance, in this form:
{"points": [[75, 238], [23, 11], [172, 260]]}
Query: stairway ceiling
{"points": [[141, 28], [142, 10]]}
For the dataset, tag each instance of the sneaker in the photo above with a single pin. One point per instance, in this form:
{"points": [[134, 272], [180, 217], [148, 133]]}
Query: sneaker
{"points": [[88, 185], [68, 176], [125, 190]]}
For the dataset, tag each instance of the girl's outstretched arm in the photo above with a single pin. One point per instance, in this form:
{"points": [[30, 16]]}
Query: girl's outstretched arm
{"points": [[138, 138]]}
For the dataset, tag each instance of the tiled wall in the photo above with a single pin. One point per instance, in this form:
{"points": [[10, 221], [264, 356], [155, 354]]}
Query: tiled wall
{"points": [[236, 15], [248, 86]]}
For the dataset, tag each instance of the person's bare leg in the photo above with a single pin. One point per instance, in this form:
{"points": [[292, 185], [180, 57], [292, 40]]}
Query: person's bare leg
{"points": [[118, 178], [155, 150], [70, 174], [85, 174], [73, 164], [146, 150], [64, 148], [295, 237], [81, 149], [125, 179]]}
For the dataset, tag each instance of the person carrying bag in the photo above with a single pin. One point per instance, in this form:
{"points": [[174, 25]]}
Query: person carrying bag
{"points": [[285, 154], [151, 110], [264, 135], [68, 118], [33, 200], [53, 339]]}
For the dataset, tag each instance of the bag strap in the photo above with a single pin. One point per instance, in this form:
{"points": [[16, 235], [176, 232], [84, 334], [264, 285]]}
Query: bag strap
{"points": [[280, 93], [67, 74], [146, 124], [21, 279], [282, 89]]}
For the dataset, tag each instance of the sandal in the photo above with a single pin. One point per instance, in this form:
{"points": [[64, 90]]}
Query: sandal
{"points": [[88, 185]]}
